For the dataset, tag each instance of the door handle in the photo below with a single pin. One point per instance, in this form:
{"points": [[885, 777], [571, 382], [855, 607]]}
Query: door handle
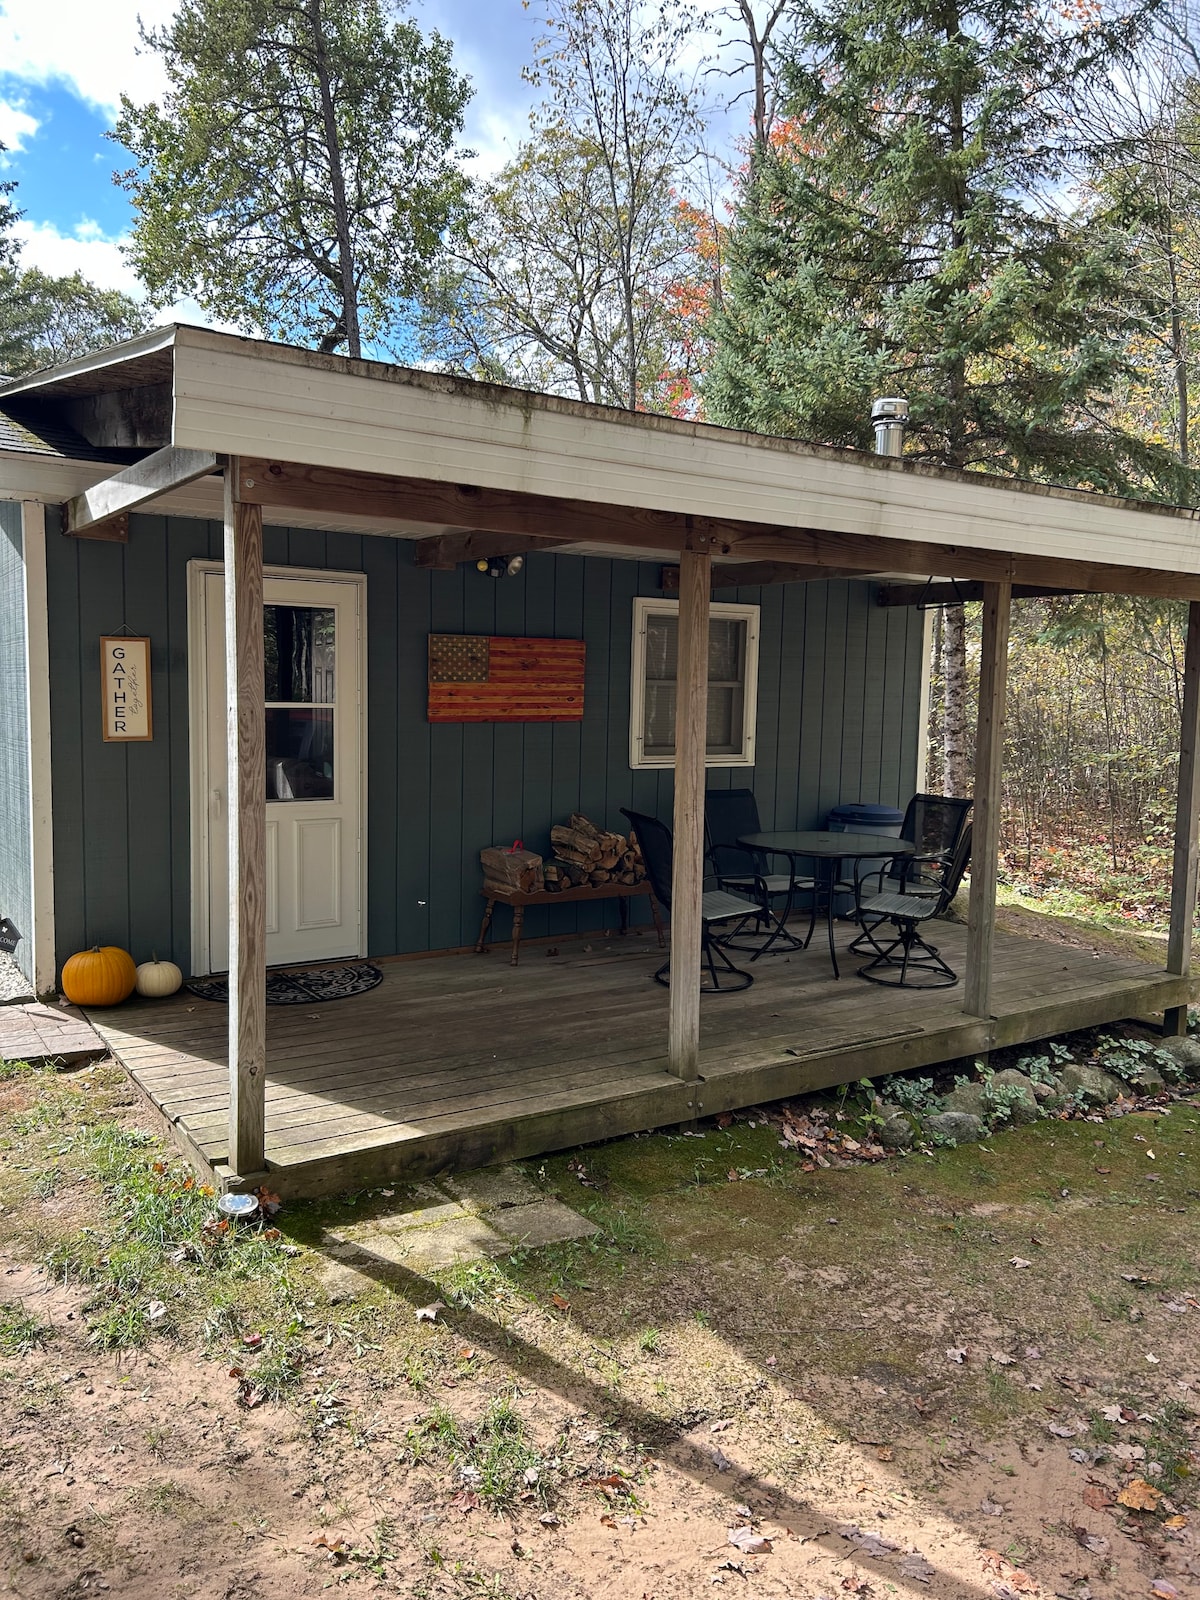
{"points": [[215, 800]]}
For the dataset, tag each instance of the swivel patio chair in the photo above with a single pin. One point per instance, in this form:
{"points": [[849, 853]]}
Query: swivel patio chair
{"points": [[716, 905], [908, 912], [729, 815], [935, 824]]}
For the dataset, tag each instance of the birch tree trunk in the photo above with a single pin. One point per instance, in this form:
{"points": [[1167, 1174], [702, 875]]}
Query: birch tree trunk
{"points": [[955, 775]]}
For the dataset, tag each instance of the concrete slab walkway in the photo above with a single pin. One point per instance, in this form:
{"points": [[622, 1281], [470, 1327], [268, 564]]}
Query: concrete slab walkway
{"points": [[48, 1033], [467, 1217]]}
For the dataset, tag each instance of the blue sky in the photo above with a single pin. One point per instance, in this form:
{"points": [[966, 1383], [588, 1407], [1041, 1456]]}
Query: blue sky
{"points": [[66, 63]]}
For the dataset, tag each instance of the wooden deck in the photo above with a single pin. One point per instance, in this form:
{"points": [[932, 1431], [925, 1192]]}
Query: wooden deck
{"points": [[459, 1061]]}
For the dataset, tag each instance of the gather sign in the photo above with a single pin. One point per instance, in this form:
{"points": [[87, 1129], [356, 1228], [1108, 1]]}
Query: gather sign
{"points": [[125, 687]]}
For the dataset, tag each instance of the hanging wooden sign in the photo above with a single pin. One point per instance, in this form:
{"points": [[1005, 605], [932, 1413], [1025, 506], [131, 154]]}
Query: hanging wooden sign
{"points": [[125, 688], [477, 678]]}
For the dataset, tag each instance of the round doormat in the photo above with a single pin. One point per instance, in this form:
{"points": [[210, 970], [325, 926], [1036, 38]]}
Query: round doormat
{"points": [[300, 988]]}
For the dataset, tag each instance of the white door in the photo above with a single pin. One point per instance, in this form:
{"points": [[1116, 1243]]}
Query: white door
{"points": [[313, 777]]}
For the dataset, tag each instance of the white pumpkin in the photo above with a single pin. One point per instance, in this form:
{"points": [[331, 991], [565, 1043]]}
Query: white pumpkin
{"points": [[158, 978]]}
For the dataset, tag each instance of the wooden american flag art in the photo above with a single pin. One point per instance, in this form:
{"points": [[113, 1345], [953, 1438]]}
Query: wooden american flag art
{"points": [[477, 678]]}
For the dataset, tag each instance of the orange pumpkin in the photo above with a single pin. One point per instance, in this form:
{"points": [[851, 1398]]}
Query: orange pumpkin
{"points": [[99, 976]]}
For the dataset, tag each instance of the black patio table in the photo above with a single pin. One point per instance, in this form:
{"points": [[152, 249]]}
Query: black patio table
{"points": [[830, 847]]}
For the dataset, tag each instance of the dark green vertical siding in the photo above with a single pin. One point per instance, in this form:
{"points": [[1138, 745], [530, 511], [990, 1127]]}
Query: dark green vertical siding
{"points": [[839, 684], [16, 868]]}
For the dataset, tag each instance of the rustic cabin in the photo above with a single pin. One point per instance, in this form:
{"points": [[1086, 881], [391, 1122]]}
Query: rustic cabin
{"points": [[312, 659]]}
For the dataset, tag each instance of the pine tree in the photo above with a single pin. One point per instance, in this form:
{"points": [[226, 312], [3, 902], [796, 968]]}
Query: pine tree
{"points": [[906, 232]]}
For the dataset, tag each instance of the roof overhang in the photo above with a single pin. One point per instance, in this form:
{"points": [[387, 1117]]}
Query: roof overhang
{"points": [[398, 450]]}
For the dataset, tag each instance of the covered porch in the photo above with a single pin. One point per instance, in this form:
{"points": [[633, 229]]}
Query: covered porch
{"points": [[448, 1063], [461, 1060]]}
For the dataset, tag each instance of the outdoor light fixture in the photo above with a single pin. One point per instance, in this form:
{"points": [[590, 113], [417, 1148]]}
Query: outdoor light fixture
{"points": [[889, 418], [500, 566]]}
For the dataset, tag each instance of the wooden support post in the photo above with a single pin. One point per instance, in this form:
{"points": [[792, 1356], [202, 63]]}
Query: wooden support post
{"points": [[687, 879], [1185, 870], [247, 808], [989, 762]]}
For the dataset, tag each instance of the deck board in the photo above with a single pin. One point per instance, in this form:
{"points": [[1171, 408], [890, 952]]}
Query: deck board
{"points": [[457, 1060]]}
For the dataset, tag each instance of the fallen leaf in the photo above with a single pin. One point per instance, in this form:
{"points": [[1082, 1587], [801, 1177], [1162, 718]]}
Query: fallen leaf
{"points": [[1019, 1261], [991, 1508], [749, 1542], [1095, 1542], [1061, 1430], [720, 1427], [560, 1303], [608, 1521], [466, 1352], [464, 1501], [885, 1453], [1112, 1414], [1139, 1495], [549, 1520], [156, 1312], [1163, 1589], [1097, 1497], [1176, 1522], [915, 1566], [958, 1354], [430, 1313]]}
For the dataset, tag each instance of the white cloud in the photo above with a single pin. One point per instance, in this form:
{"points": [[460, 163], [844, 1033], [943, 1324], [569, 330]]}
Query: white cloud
{"points": [[16, 125], [99, 257], [87, 249], [92, 46]]}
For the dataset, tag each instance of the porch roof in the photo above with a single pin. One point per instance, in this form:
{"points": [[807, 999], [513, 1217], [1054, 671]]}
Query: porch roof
{"points": [[342, 443]]}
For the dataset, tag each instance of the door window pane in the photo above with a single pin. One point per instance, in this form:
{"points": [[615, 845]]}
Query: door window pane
{"points": [[299, 753], [298, 649]]}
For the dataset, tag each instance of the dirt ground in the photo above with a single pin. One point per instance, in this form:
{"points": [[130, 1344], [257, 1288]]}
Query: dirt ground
{"points": [[970, 1374]]}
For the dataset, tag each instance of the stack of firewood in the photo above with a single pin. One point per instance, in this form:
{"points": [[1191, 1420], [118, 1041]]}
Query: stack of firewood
{"points": [[585, 854]]}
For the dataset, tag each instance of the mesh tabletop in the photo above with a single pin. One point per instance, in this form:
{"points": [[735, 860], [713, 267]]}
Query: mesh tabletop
{"points": [[816, 843]]}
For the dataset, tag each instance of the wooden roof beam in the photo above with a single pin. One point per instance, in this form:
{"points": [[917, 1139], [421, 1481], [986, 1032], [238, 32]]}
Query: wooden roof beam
{"points": [[948, 593], [285, 486], [745, 574], [445, 551], [94, 513]]}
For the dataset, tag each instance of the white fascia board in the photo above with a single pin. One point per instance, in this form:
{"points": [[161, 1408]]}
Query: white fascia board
{"points": [[251, 400]]}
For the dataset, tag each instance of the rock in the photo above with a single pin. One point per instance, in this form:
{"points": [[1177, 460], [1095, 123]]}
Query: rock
{"points": [[1185, 1051], [961, 1126], [967, 1097], [896, 1131], [1091, 1086], [1048, 1093], [1149, 1080], [1020, 1101]]}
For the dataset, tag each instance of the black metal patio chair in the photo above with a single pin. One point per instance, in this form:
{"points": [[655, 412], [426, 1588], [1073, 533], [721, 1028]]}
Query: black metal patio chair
{"points": [[717, 905], [908, 913], [935, 824], [729, 815]]}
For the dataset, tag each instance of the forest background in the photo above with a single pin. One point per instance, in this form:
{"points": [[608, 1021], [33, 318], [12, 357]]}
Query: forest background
{"points": [[763, 214]]}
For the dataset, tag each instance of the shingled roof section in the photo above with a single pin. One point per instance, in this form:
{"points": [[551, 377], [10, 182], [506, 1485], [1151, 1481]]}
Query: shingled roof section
{"points": [[25, 433]]}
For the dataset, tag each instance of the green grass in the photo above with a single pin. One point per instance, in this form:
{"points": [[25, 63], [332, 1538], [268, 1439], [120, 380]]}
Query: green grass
{"points": [[491, 1457], [20, 1332], [140, 1235]]}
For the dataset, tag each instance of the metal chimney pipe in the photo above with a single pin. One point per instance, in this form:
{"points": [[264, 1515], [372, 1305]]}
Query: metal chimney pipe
{"points": [[889, 417]]}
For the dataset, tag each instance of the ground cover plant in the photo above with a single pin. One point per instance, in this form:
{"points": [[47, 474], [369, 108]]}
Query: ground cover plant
{"points": [[792, 1360]]}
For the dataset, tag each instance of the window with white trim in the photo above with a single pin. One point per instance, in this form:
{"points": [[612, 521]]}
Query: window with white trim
{"points": [[732, 684]]}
